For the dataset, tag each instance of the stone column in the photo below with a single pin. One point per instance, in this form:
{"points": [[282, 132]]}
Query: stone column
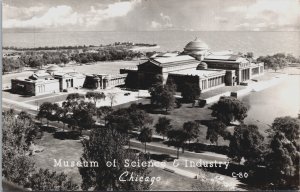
{"points": [[250, 73]]}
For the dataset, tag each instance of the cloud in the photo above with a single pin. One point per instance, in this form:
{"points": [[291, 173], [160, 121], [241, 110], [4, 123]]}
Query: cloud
{"points": [[155, 25], [64, 15], [54, 17], [164, 24], [221, 19], [273, 13], [118, 9], [11, 12]]}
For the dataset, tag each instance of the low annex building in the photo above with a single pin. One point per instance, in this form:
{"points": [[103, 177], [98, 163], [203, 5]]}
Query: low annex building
{"points": [[104, 81], [38, 83], [54, 79]]}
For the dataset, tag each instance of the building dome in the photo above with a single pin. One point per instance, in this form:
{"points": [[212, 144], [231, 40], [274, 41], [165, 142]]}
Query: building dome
{"points": [[202, 66], [39, 71], [196, 45], [53, 68]]}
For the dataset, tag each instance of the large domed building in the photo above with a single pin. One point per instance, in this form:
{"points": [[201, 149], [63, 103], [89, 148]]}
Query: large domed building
{"points": [[196, 64], [197, 49]]}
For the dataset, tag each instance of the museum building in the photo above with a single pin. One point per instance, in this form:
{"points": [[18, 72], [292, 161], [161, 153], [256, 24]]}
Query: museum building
{"points": [[196, 64]]}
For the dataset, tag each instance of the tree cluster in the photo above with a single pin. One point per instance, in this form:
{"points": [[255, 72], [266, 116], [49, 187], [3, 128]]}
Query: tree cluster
{"points": [[229, 109], [19, 132], [178, 137], [76, 112], [108, 144], [106, 54], [162, 95], [280, 154], [277, 61]]}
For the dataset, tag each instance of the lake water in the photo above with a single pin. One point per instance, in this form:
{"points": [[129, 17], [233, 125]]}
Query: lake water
{"points": [[280, 100], [261, 43]]}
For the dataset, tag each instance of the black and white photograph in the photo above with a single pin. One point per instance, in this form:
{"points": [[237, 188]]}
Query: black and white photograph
{"points": [[150, 95]]}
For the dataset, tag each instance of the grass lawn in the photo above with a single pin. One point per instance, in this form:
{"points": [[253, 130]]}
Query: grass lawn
{"points": [[170, 181], [70, 150], [186, 113]]}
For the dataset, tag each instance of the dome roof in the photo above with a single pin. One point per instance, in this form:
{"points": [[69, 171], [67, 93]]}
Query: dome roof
{"points": [[196, 45], [40, 71], [54, 68], [202, 66]]}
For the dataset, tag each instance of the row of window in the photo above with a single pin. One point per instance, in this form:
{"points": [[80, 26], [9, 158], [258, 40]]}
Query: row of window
{"points": [[212, 82]]}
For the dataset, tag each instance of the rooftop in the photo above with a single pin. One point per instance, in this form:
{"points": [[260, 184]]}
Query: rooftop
{"points": [[201, 73], [229, 57], [47, 80], [163, 60]]}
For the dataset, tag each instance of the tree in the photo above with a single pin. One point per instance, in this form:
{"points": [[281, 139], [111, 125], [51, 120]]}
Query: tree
{"points": [[45, 180], [282, 160], [46, 111], [249, 55], [103, 112], [215, 129], [190, 92], [74, 97], [95, 96], [178, 138], [167, 100], [163, 126], [163, 95], [112, 98], [60, 115], [289, 126], [24, 115], [228, 109], [275, 62], [145, 136], [84, 115], [192, 130], [18, 134], [246, 142], [139, 117], [105, 145]]}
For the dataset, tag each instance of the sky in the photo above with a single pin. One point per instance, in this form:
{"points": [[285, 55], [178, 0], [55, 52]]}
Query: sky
{"points": [[151, 15]]}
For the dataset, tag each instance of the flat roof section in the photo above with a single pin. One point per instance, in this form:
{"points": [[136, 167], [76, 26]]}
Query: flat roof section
{"points": [[201, 73], [164, 60]]}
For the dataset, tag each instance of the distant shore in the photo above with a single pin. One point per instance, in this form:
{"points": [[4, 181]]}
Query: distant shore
{"points": [[140, 48]]}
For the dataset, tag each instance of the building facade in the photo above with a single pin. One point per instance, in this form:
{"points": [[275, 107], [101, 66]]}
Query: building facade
{"points": [[37, 84], [104, 81]]}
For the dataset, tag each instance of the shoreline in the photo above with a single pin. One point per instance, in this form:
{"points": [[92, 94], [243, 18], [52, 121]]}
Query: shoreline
{"points": [[251, 87], [140, 48]]}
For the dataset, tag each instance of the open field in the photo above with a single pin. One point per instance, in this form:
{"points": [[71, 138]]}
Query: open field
{"points": [[107, 67], [69, 150]]}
